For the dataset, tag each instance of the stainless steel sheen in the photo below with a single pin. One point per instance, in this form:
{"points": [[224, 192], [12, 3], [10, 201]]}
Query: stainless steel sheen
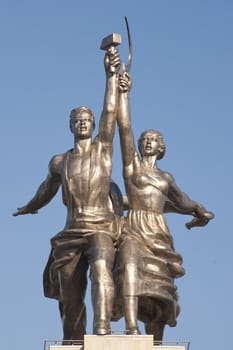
{"points": [[93, 207], [147, 260], [138, 248]]}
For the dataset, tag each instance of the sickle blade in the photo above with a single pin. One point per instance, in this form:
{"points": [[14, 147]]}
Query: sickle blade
{"points": [[128, 66]]}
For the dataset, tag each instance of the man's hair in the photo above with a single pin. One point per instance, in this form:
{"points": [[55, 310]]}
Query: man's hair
{"points": [[162, 147], [79, 110]]}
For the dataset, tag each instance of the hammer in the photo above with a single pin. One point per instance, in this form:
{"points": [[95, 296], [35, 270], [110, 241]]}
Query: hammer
{"points": [[111, 41]]}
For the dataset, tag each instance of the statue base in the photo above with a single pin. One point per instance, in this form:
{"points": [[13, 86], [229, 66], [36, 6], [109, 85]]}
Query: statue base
{"points": [[120, 342]]}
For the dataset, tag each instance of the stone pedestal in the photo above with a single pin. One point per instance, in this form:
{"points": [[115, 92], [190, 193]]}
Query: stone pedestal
{"points": [[118, 342]]}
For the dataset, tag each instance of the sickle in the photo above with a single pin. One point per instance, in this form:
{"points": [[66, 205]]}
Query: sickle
{"points": [[128, 66]]}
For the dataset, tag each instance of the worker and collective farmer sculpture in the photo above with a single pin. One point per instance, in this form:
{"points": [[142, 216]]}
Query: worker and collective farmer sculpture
{"points": [[138, 247]]}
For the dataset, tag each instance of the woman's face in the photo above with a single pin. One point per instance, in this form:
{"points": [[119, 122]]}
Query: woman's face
{"points": [[149, 144]]}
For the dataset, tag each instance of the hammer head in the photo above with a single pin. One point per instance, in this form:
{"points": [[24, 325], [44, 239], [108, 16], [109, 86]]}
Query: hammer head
{"points": [[110, 40]]}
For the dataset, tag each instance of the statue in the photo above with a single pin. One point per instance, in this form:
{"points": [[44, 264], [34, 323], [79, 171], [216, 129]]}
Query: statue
{"points": [[148, 262], [93, 222], [95, 229]]}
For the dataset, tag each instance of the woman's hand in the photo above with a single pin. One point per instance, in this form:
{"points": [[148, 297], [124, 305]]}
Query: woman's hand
{"points": [[125, 82]]}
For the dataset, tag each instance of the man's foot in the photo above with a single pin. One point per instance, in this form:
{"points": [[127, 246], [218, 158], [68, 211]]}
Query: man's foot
{"points": [[133, 331], [102, 329]]}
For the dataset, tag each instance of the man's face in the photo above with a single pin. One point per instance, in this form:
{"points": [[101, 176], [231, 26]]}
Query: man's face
{"points": [[149, 144], [82, 125]]}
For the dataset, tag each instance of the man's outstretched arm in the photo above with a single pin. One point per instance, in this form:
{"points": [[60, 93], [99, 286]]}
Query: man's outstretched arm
{"points": [[45, 192]]}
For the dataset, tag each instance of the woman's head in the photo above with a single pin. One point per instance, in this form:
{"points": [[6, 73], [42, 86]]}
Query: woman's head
{"points": [[151, 142]]}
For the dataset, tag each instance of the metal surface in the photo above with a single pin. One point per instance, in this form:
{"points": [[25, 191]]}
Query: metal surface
{"points": [[128, 65], [92, 226], [109, 43], [138, 248], [148, 262], [110, 40]]}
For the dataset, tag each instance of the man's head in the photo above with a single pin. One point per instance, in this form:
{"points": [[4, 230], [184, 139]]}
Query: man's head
{"points": [[151, 143], [82, 122]]}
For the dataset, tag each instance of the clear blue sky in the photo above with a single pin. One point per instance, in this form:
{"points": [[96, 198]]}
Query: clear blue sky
{"points": [[182, 85]]}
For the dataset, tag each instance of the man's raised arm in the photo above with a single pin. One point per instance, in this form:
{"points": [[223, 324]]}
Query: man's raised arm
{"points": [[45, 192], [108, 116]]}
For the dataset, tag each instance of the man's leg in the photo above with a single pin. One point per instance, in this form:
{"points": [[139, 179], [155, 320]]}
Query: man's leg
{"points": [[73, 283], [155, 327], [101, 256], [128, 261]]}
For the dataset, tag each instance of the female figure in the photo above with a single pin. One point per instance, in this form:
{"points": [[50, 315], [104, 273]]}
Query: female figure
{"points": [[148, 262]]}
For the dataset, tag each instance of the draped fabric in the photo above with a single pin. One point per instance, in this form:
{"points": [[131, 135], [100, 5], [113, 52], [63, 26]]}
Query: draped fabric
{"points": [[70, 244], [147, 243]]}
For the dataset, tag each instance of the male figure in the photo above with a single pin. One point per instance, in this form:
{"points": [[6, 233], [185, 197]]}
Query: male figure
{"points": [[92, 227]]}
